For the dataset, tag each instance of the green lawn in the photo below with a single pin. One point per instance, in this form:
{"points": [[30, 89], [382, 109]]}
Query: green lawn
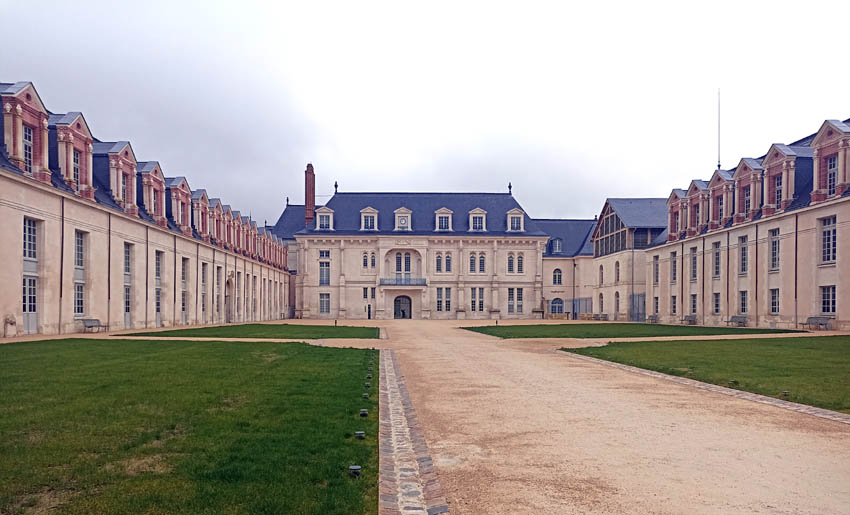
{"points": [[814, 370], [611, 330], [283, 331], [160, 426]]}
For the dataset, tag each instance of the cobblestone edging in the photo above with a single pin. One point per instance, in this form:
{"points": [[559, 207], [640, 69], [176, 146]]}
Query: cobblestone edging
{"points": [[779, 403], [407, 481]]}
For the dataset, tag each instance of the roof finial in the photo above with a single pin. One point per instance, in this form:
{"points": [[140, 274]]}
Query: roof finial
{"points": [[287, 200], [509, 187], [336, 185]]}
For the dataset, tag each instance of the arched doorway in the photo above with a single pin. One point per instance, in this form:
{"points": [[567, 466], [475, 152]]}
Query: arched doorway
{"points": [[401, 307]]}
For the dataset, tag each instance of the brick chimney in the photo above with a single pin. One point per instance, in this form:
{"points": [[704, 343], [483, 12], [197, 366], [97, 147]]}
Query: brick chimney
{"points": [[309, 194]]}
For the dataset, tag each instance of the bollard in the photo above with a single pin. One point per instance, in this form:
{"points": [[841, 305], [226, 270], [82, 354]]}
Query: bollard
{"points": [[361, 435], [364, 413], [368, 385], [365, 395], [354, 470], [368, 376]]}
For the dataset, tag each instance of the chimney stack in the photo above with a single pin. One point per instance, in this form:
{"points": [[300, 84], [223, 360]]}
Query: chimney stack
{"points": [[309, 194]]}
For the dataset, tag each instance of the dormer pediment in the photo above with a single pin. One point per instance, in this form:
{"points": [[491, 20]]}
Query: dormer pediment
{"points": [[25, 91], [746, 166], [74, 121], [200, 196], [516, 211], [697, 187], [477, 211], [444, 211], [324, 209], [402, 211], [719, 178], [369, 210], [676, 196], [830, 131]]}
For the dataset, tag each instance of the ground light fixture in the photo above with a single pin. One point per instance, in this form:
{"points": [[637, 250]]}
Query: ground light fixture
{"points": [[361, 435], [365, 395], [368, 376], [785, 394], [368, 385], [364, 413], [354, 471]]}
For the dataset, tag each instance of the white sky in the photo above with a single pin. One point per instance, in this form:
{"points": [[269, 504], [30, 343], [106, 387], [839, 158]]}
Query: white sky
{"points": [[571, 103]]}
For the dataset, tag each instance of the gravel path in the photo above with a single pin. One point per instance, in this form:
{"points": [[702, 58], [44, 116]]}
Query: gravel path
{"points": [[518, 427]]}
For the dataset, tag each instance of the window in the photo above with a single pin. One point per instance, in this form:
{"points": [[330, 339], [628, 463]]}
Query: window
{"points": [[366, 293], [324, 254], [481, 264], [828, 240], [674, 272], [510, 300], [556, 307], [324, 273], [696, 215], [673, 305], [777, 190], [655, 305], [746, 199], [439, 267], [28, 149], [601, 275], [601, 303], [158, 267], [474, 304], [324, 303], [716, 302], [439, 299], [616, 302], [124, 187], [448, 299], [742, 305], [443, 222], [831, 174], [407, 263], [655, 270], [774, 301], [128, 258], [471, 263], [158, 301], [365, 260], [372, 260], [519, 300], [743, 265], [693, 304], [30, 234], [76, 171], [519, 264], [128, 297], [481, 299], [204, 288], [477, 223], [719, 207], [79, 306], [79, 249], [616, 272], [510, 263], [693, 263], [372, 293], [715, 252], [369, 222], [324, 222], [556, 277], [155, 202], [827, 295], [516, 223], [557, 246], [773, 235], [448, 263]]}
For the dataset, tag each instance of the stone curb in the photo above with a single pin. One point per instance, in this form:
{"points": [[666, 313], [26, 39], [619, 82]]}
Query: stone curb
{"points": [[740, 394], [407, 481]]}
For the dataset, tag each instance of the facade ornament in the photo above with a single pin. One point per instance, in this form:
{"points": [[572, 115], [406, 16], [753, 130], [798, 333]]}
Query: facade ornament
{"points": [[7, 107], [90, 147], [44, 123], [18, 109], [61, 135]]}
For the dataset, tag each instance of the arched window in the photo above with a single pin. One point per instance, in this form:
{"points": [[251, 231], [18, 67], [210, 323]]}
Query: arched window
{"points": [[617, 272], [601, 275], [519, 264], [556, 245], [601, 303], [556, 277], [373, 260], [448, 263], [616, 302], [510, 263], [365, 260], [407, 262], [439, 263], [556, 307], [471, 263], [481, 264]]}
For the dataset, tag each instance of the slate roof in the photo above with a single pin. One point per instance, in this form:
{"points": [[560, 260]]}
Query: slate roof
{"points": [[174, 182], [754, 163], [290, 221], [725, 174], [197, 194], [146, 166], [795, 150], [108, 147], [641, 213], [574, 235], [62, 119], [702, 185], [842, 126], [347, 207], [8, 88]]}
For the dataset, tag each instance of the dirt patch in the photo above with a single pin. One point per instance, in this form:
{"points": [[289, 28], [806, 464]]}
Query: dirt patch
{"points": [[268, 357], [47, 500], [154, 464], [166, 436]]}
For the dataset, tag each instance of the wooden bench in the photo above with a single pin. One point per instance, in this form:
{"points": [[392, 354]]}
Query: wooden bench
{"points": [[690, 319], [652, 319], [739, 320], [93, 324], [817, 322]]}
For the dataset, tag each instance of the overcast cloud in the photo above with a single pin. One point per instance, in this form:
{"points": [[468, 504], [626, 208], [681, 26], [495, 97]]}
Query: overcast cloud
{"points": [[571, 103]]}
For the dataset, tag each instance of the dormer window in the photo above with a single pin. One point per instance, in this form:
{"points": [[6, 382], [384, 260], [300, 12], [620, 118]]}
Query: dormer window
{"points": [[368, 222], [831, 174], [516, 220], [557, 246], [777, 190], [76, 168], [325, 219], [124, 187], [516, 223], [477, 222], [443, 219], [369, 219], [324, 222], [402, 219], [443, 222], [747, 199], [28, 146]]}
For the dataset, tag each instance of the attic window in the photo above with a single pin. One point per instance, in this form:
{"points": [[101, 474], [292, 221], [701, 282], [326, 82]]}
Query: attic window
{"points": [[556, 246], [125, 153], [477, 223], [78, 125], [29, 97]]}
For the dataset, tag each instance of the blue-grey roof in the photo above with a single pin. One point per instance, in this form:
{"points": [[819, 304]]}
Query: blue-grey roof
{"points": [[640, 212], [574, 235], [661, 239], [754, 163], [55, 119], [146, 166], [214, 202], [725, 174], [8, 88], [842, 126], [174, 182], [197, 194], [108, 147], [702, 185], [347, 207], [290, 221]]}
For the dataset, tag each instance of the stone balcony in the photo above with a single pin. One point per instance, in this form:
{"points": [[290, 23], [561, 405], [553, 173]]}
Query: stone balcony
{"points": [[404, 281]]}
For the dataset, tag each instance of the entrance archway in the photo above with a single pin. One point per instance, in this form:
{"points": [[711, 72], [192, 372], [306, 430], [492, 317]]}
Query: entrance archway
{"points": [[401, 307]]}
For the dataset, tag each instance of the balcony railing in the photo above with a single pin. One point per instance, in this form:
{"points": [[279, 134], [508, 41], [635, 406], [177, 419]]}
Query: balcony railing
{"points": [[404, 281]]}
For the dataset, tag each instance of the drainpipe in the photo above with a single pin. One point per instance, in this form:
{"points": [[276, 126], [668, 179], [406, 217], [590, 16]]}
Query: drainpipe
{"points": [[702, 281], [108, 268], [61, 258], [197, 277], [174, 287], [728, 250], [796, 236], [573, 307], [757, 276], [147, 273], [681, 277]]}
